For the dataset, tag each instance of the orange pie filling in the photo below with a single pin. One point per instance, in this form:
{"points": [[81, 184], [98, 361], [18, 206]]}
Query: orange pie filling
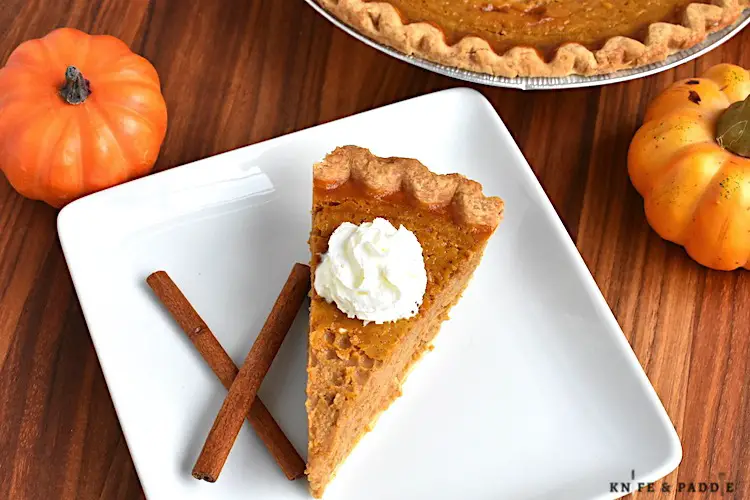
{"points": [[542, 24], [355, 370]]}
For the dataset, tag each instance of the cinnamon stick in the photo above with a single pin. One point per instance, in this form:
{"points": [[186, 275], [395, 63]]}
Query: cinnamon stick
{"points": [[224, 368], [245, 385]]}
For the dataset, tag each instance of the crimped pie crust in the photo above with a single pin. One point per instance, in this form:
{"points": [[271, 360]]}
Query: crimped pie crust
{"points": [[382, 22], [386, 176]]}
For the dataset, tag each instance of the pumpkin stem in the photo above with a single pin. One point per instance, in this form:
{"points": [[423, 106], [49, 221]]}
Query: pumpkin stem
{"points": [[733, 128], [76, 88]]}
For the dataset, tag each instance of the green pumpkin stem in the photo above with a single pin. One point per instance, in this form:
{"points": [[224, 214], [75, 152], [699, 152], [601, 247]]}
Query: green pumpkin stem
{"points": [[733, 129], [76, 88]]}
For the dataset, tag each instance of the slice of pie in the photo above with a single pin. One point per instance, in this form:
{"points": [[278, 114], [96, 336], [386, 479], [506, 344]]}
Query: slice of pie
{"points": [[356, 368], [538, 37]]}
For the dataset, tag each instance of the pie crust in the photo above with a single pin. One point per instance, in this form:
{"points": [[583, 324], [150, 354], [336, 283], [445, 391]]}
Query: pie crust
{"points": [[382, 22], [386, 176]]}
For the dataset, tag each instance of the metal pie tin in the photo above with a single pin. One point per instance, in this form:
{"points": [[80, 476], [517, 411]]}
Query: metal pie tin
{"points": [[548, 83]]}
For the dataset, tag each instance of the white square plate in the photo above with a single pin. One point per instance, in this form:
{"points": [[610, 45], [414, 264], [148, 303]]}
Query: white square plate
{"points": [[531, 392]]}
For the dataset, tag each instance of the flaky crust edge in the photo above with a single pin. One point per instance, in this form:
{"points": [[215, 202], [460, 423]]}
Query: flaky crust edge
{"points": [[382, 22], [385, 176]]}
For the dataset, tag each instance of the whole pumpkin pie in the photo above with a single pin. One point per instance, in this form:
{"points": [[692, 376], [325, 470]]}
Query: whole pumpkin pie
{"points": [[358, 355], [530, 38]]}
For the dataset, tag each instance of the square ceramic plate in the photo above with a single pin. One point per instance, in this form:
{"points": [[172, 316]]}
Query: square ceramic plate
{"points": [[532, 390]]}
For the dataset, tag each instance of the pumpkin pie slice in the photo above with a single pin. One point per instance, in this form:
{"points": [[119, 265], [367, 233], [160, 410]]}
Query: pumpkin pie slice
{"points": [[356, 366]]}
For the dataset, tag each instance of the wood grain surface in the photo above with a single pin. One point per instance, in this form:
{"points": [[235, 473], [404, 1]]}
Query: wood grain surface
{"points": [[235, 72]]}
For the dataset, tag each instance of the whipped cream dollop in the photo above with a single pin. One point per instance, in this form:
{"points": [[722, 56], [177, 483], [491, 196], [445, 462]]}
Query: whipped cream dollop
{"points": [[373, 272]]}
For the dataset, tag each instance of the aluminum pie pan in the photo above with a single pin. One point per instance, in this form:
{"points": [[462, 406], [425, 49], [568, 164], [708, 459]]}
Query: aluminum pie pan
{"points": [[549, 83]]}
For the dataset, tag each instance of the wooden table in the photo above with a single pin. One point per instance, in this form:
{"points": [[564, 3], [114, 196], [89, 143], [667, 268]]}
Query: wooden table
{"points": [[235, 72]]}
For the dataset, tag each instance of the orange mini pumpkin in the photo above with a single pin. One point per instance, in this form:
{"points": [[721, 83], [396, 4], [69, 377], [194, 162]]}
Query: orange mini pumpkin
{"points": [[78, 113], [691, 163]]}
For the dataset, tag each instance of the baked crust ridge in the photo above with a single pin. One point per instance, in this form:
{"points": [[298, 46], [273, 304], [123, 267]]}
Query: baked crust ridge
{"points": [[386, 176], [382, 22]]}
